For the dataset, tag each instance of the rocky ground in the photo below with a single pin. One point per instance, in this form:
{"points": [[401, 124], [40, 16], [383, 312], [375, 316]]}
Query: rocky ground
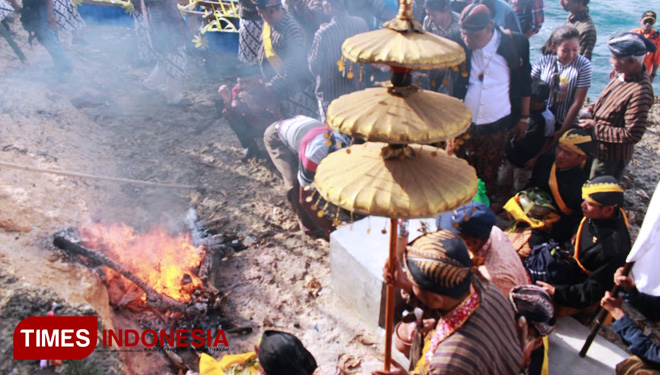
{"points": [[103, 122]]}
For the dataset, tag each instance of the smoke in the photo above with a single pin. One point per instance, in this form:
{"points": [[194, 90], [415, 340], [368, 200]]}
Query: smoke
{"points": [[103, 121]]}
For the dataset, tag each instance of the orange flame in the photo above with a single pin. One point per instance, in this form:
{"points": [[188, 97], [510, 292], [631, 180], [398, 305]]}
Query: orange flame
{"points": [[164, 261]]}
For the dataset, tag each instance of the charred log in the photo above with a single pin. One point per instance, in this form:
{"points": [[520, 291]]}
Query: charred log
{"points": [[154, 299]]}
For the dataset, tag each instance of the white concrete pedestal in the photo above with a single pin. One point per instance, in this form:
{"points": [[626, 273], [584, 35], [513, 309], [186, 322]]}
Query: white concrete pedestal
{"points": [[357, 259]]}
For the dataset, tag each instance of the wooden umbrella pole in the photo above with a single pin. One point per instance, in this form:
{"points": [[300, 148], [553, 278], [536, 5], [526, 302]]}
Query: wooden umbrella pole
{"points": [[389, 302], [602, 315]]}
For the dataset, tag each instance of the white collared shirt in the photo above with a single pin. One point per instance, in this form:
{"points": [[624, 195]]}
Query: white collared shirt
{"points": [[488, 99]]}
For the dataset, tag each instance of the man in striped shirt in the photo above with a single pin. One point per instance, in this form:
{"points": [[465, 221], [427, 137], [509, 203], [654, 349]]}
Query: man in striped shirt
{"points": [[620, 114], [326, 52], [475, 331], [580, 19], [281, 58]]}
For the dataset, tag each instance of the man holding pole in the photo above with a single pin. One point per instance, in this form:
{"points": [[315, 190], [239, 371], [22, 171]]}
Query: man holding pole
{"points": [[645, 296], [475, 333]]}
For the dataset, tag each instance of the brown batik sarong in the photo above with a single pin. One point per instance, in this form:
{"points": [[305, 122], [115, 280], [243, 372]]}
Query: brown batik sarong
{"points": [[483, 147], [635, 366]]}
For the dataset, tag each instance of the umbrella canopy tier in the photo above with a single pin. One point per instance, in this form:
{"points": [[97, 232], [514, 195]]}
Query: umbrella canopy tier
{"points": [[399, 115], [397, 182], [404, 49]]}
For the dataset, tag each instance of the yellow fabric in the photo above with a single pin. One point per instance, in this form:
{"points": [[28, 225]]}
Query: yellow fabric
{"points": [[274, 60], [209, 366], [588, 189], [577, 240], [545, 370], [517, 213], [571, 140], [554, 188], [577, 247], [421, 365]]}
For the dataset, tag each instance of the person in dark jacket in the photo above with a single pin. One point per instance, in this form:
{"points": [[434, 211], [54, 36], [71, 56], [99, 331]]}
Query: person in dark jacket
{"points": [[496, 66], [602, 243], [562, 177], [638, 344]]}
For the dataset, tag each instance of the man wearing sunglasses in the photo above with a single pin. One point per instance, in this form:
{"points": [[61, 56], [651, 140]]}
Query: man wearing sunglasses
{"points": [[652, 59]]}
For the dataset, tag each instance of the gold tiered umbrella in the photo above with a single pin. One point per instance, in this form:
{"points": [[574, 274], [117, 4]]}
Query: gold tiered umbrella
{"points": [[393, 179], [395, 182], [402, 43], [399, 115]]}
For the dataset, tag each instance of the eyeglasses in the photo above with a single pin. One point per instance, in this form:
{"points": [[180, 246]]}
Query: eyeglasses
{"points": [[649, 21]]}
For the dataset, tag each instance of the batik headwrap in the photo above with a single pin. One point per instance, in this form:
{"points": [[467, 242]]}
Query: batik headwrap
{"points": [[439, 262], [281, 353], [532, 302], [577, 141], [603, 190]]}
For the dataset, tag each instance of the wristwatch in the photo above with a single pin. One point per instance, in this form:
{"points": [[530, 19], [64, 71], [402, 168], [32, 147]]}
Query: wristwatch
{"points": [[525, 119]]}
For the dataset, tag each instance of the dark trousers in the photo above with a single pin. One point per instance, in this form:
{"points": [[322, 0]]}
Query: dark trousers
{"points": [[47, 37]]}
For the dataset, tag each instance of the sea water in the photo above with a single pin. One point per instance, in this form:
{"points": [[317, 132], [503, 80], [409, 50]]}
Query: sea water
{"points": [[610, 17]]}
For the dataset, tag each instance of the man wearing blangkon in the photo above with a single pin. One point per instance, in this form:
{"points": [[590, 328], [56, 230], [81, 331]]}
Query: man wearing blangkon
{"points": [[621, 112]]}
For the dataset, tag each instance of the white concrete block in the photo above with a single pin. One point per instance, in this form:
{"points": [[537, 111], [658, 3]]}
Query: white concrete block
{"points": [[567, 341], [357, 259]]}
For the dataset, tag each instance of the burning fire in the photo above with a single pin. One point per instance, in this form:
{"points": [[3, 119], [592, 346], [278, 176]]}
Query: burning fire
{"points": [[164, 261]]}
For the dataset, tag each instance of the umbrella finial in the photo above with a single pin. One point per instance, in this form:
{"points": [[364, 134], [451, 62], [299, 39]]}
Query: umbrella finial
{"points": [[404, 20], [405, 10]]}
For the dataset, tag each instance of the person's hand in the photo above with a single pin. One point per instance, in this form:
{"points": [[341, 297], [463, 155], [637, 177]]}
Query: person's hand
{"points": [[225, 94], [395, 369], [531, 163], [248, 99], [548, 288], [519, 130], [587, 124], [612, 305], [626, 282], [398, 279]]}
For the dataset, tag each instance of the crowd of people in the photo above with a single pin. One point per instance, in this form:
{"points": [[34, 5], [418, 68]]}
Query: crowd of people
{"points": [[489, 296], [551, 166]]}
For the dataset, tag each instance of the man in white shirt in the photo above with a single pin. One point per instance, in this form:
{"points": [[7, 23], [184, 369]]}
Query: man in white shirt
{"points": [[496, 86]]}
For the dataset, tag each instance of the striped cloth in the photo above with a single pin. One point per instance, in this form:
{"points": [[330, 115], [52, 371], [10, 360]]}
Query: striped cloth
{"points": [[67, 16], [486, 344], [314, 148], [585, 25], [571, 77], [621, 114], [324, 54], [309, 14], [293, 84]]}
